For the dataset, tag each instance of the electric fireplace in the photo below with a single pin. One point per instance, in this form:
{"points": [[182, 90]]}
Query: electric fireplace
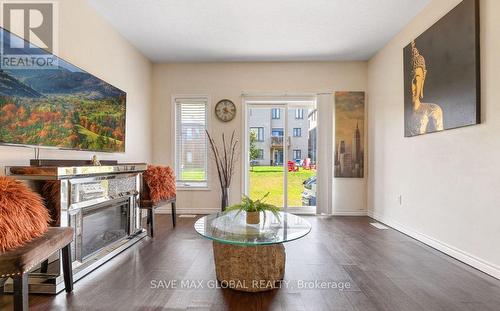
{"points": [[99, 202]]}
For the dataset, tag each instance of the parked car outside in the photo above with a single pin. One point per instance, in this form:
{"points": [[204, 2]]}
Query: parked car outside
{"points": [[309, 193]]}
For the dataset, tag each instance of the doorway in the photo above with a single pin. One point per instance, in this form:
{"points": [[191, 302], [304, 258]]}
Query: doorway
{"points": [[280, 152]]}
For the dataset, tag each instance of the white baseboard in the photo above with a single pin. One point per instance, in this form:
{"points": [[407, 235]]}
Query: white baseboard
{"points": [[197, 211], [449, 250], [349, 213]]}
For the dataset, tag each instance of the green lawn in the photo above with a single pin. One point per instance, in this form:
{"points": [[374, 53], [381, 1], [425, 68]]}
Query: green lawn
{"points": [[265, 179], [193, 175]]}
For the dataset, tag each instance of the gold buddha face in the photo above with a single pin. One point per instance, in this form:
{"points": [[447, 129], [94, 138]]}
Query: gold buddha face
{"points": [[417, 84], [419, 72]]}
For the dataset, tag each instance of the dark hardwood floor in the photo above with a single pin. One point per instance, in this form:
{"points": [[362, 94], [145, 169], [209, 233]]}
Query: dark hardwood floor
{"points": [[385, 270]]}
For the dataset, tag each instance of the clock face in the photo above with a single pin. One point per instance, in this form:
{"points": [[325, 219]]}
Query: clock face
{"points": [[225, 110]]}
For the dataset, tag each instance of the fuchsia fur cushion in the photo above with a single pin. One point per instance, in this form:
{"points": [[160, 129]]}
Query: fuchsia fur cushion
{"points": [[161, 182], [23, 215]]}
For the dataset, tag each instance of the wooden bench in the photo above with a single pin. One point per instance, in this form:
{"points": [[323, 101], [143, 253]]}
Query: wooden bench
{"points": [[18, 262], [150, 206]]}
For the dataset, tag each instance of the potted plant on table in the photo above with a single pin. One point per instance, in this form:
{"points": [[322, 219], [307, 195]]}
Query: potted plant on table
{"points": [[253, 208]]}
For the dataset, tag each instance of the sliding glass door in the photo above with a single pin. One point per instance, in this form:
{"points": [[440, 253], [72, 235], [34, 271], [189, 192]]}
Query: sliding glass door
{"points": [[281, 153], [301, 166]]}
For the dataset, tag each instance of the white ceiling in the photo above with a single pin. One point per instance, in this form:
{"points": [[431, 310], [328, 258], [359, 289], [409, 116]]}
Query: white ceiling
{"points": [[258, 30]]}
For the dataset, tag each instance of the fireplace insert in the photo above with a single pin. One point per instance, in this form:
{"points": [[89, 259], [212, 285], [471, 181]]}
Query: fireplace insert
{"points": [[99, 226]]}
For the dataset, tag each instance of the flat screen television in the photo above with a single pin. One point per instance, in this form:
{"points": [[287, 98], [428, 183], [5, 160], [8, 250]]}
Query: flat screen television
{"points": [[62, 107]]}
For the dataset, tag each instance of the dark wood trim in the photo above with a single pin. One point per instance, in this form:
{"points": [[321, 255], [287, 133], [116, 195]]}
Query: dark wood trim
{"points": [[44, 266], [145, 204], [21, 302], [174, 214], [67, 268], [62, 162], [151, 219]]}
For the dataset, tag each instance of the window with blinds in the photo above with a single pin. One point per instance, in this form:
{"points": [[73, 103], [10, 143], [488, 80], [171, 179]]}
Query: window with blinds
{"points": [[191, 145]]}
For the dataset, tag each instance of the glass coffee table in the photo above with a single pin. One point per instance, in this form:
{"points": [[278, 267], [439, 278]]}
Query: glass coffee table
{"points": [[248, 257]]}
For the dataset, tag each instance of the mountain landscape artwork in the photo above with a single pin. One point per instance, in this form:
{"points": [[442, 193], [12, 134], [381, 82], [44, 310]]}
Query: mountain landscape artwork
{"points": [[63, 107]]}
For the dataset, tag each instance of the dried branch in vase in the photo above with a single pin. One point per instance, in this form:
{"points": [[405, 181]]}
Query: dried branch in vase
{"points": [[225, 158]]}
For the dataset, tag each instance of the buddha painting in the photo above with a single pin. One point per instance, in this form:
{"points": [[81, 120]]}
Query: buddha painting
{"points": [[425, 117], [441, 66]]}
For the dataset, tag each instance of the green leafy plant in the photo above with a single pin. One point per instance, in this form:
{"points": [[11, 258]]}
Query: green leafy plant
{"points": [[249, 205]]}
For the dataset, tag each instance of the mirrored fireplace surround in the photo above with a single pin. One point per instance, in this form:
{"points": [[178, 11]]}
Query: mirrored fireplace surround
{"points": [[99, 202]]}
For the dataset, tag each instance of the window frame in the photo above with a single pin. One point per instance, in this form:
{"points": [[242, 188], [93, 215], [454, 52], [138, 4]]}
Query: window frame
{"points": [[182, 186], [261, 154], [299, 116], [259, 128], [277, 115], [294, 131], [294, 152], [278, 129]]}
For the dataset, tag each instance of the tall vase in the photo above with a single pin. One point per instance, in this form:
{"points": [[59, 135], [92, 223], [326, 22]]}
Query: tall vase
{"points": [[224, 198]]}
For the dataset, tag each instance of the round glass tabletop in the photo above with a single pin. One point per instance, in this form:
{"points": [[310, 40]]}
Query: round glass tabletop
{"points": [[231, 228]]}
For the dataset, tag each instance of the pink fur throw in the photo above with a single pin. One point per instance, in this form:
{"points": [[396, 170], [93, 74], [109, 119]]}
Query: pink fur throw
{"points": [[23, 215], [160, 183]]}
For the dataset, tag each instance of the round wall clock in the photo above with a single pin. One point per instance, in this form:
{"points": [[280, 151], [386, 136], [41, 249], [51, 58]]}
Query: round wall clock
{"points": [[225, 110]]}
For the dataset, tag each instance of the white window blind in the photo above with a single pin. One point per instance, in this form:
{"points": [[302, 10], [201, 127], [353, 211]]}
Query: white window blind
{"points": [[191, 145]]}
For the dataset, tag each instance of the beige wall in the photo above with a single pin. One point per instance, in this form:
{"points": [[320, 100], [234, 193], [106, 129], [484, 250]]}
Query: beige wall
{"points": [[449, 181], [88, 42], [229, 80]]}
